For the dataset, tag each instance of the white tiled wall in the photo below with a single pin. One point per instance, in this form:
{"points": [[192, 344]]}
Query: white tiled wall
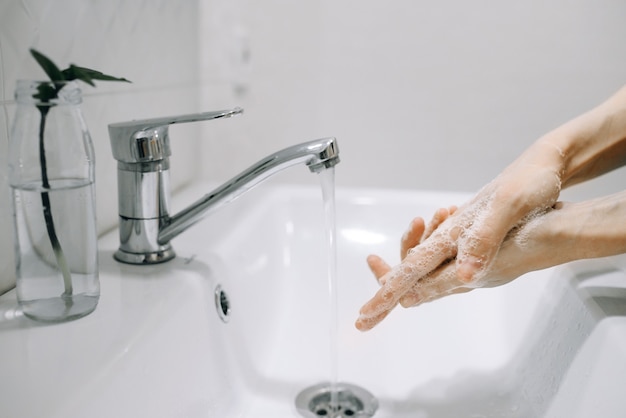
{"points": [[420, 94]]}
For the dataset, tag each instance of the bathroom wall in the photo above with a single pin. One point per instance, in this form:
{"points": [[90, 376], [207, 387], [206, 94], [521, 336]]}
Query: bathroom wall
{"points": [[422, 95], [154, 43]]}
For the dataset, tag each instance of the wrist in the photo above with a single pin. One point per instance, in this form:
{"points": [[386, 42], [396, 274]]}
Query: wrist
{"points": [[594, 142]]}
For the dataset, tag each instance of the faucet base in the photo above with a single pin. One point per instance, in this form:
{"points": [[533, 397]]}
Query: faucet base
{"points": [[144, 258], [139, 241]]}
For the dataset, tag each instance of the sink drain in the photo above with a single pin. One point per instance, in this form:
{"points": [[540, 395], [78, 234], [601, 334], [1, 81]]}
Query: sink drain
{"points": [[350, 401]]}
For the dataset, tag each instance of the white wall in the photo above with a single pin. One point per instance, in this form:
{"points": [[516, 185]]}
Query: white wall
{"points": [[420, 94]]}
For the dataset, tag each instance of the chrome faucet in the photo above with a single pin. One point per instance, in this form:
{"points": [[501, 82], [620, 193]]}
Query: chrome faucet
{"points": [[142, 150]]}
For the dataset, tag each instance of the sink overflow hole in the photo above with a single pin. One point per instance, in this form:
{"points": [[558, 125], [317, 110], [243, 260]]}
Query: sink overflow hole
{"points": [[222, 304]]}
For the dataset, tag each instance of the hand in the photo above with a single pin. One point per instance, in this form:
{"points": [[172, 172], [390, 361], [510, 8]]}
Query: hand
{"points": [[471, 236], [443, 280], [423, 291], [564, 232]]}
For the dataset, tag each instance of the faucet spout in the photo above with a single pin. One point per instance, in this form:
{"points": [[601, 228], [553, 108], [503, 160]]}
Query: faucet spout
{"points": [[318, 155], [142, 150]]}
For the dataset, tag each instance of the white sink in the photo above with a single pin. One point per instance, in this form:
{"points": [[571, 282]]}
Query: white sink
{"points": [[551, 344]]}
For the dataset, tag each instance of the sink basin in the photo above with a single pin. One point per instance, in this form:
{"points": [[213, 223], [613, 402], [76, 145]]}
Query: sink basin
{"points": [[551, 344]]}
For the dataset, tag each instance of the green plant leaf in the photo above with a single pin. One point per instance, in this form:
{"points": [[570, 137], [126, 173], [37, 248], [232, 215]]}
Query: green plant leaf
{"points": [[47, 92], [48, 66], [75, 73], [87, 74]]}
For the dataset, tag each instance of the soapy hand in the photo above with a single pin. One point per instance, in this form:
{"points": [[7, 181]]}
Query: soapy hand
{"points": [[514, 224], [468, 237], [423, 290], [524, 249], [562, 233]]}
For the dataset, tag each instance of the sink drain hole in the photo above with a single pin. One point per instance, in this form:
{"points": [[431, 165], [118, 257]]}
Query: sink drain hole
{"points": [[349, 401]]}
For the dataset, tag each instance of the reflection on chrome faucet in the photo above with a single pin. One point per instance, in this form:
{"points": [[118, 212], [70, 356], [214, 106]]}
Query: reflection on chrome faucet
{"points": [[142, 150]]}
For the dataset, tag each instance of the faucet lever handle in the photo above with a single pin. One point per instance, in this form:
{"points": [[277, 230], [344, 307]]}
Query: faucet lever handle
{"points": [[148, 140]]}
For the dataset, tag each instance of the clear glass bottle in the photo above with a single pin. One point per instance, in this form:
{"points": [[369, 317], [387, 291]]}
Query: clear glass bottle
{"points": [[52, 175]]}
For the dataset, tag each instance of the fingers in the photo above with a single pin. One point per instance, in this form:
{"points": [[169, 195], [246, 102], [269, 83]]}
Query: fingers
{"points": [[413, 300], [379, 267], [412, 236], [418, 232], [434, 297], [440, 283], [439, 217], [366, 323], [421, 261]]}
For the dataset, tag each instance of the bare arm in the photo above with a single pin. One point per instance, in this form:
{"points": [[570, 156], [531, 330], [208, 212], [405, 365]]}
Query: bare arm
{"points": [[528, 188], [593, 143]]}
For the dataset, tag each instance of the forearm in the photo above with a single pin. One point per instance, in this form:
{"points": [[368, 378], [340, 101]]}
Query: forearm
{"points": [[575, 231], [567, 232], [593, 143], [596, 228]]}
